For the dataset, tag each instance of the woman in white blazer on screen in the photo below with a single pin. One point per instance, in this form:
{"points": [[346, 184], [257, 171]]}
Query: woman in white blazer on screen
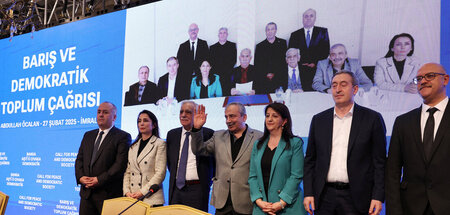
{"points": [[398, 68], [146, 161]]}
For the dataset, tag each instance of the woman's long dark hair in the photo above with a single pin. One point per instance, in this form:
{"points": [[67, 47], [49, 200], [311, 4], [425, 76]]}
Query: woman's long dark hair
{"points": [[155, 130], [287, 128], [211, 76], [390, 53]]}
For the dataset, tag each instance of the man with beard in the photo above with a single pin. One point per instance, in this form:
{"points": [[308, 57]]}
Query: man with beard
{"points": [[417, 176]]}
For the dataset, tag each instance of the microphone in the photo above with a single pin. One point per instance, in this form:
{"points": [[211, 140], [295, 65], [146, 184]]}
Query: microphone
{"points": [[153, 189]]}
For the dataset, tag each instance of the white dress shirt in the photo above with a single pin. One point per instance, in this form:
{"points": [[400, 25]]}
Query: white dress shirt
{"points": [[171, 86], [341, 133], [191, 166], [310, 32], [195, 45], [297, 74], [105, 132], [437, 116]]}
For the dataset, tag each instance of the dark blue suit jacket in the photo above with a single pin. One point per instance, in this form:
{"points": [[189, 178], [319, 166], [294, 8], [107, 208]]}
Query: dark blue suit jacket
{"points": [[365, 159], [182, 84], [319, 46], [109, 165], [411, 180], [205, 165]]}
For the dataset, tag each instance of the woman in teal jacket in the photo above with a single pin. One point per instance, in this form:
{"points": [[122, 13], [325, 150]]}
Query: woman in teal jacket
{"points": [[206, 84], [276, 166]]}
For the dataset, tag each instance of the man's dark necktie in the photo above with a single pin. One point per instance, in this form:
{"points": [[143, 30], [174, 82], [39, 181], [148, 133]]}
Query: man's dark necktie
{"points": [[181, 173], [244, 75], [428, 134], [294, 77], [193, 51], [308, 39], [97, 143]]}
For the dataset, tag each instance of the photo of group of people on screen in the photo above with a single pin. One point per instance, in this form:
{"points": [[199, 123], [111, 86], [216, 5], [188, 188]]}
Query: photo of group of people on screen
{"points": [[306, 63], [344, 171]]}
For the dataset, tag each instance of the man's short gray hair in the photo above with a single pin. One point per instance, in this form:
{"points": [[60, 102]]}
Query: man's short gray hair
{"points": [[315, 12], [271, 23], [246, 49], [297, 51], [240, 106], [338, 45], [223, 28], [189, 102]]}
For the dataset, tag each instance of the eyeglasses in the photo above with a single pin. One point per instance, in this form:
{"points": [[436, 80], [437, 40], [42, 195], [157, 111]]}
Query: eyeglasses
{"points": [[429, 77]]}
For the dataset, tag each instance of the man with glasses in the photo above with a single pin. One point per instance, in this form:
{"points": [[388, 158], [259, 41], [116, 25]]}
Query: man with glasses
{"points": [[417, 176]]}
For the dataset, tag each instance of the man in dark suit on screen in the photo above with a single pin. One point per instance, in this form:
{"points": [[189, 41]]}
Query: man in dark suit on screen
{"points": [[345, 158], [192, 52], [314, 45], [191, 189], [144, 91], [417, 176], [223, 57], [242, 74], [101, 161], [270, 62], [172, 84]]}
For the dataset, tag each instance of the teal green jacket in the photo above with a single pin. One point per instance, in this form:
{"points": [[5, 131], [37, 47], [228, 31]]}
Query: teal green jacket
{"points": [[214, 89], [285, 176]]}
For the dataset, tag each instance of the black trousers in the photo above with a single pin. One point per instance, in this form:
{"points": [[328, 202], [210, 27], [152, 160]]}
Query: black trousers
{"points": [[228, 208], [90, 206], [336, 202], [428, 210], [190, 195]]}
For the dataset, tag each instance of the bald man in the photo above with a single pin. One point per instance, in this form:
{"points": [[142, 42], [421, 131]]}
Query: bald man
{"points": [[417, 176], [191, 53], [101, 161], [314, 45]]}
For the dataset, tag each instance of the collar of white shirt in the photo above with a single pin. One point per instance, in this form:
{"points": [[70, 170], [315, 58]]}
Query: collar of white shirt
{"points": [[290, 72], [350, 113], [440, 106], [310, 31]]}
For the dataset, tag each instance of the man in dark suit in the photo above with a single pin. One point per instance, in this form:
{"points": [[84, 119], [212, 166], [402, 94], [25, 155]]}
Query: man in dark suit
{"points": [[172, 84], [417, 176], [101, 161], [244, 73], [144, 91], [192, 53], [313, 43], [345, 158], [270, 62], [198, 170], [294, 73], [223, 57]]}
